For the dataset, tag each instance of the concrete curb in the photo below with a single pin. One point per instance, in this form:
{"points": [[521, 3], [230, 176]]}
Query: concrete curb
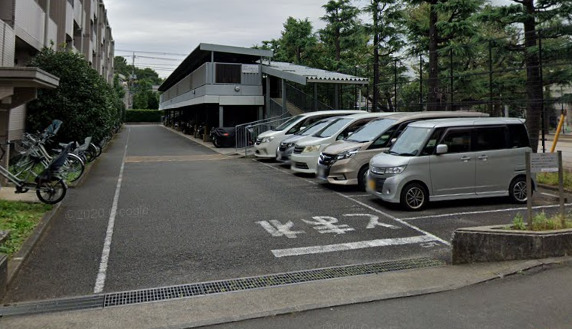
{"points": [[498, 243], [15, 263]]}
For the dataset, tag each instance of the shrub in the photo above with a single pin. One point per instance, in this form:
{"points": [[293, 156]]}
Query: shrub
{"points": [[84, 101], [143, 116]]}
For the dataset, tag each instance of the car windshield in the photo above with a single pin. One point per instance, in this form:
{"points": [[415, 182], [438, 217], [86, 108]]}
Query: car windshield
{"points": [[410, 141], [288, 123], [333, 128], [314, 128], [370, 131]]}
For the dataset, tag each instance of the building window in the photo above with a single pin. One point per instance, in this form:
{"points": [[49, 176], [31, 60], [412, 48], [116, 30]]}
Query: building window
{"points": [[228, 73]]}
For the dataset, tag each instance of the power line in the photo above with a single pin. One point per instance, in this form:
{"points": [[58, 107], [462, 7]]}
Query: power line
{"points": [[150, 52]]}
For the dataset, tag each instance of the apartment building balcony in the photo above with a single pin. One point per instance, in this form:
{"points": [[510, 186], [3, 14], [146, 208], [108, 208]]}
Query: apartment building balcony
{"points": [[30, 23]]}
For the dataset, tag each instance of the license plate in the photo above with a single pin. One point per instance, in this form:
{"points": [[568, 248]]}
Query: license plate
{"points": [[323, 172], [371, 184]]}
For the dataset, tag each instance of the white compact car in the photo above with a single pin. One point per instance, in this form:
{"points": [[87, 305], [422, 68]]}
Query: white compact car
{"points": [[306, 153], [268, 142]]}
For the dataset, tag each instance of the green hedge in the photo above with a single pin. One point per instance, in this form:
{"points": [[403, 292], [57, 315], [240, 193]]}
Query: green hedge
{"points": [[143, 116]]}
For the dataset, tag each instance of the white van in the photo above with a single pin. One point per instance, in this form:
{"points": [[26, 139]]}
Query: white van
{"points": [[268, 142], [450, 159]]}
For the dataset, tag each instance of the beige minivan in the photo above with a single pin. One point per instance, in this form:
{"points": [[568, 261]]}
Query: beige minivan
{"points": [[346, 162]]}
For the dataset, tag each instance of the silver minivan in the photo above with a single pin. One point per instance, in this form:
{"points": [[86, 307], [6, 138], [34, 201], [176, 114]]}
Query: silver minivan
{"points": [[450, 159]]}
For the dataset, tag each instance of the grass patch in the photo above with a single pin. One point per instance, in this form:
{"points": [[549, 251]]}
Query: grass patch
{"points": [[20, 219], [551, 178], [541, 222]]}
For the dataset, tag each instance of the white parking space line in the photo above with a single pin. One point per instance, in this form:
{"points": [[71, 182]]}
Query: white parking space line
{"points": [[549, 194], [350, 246], [482, 212], [432, 236], [101, 275]]}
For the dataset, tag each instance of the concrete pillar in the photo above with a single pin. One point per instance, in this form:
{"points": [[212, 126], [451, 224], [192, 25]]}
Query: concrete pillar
{"points": [[284, 107], [337, 96], [315, 96], [266, 98], [4, 123], [260, 112], [221, 116]]}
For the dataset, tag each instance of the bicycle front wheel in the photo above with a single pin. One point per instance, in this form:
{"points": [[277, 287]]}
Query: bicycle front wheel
{"points": [[25, 166], [51, 192], [73, 168]]}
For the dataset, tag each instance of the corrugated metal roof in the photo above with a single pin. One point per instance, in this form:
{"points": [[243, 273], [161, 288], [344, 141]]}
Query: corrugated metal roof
{"points": [[303, 74]]}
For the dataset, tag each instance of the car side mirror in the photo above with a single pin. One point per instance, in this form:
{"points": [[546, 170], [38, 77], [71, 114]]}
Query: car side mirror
{"points": [[392, 141], [441, 149]]}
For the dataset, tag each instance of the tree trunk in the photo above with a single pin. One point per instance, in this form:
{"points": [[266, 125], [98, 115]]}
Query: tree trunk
{"points": [[533, 77], [338, 47], [375, 62], [433, 81]]}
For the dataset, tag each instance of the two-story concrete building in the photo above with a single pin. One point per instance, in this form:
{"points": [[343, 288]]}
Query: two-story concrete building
{"points": [[26, 26], [222, 85]]}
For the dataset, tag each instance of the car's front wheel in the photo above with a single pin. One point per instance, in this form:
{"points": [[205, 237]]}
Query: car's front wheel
{"points": [[414, 196], [362, 177]]}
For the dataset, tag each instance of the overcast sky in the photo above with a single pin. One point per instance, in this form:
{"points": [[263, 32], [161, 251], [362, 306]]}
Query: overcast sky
{"points": [[178, 26]]}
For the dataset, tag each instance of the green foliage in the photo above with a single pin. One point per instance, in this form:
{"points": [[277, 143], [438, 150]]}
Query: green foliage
{"points": [[141, 83], [84, 101], [143, 116], [518, 222], [145, 74], [542, 222], [296, 41], [20, 219], [341, 36], [552, 179]]}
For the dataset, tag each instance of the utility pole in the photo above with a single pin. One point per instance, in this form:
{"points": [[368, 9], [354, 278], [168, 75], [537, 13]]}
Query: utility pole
{"points": [[132, 81]]}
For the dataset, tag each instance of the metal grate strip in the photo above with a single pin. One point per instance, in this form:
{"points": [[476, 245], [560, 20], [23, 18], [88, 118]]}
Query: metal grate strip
{"points": [[215, 287]]}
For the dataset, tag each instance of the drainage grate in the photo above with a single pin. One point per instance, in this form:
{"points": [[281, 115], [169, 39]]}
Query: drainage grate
{"points": [[215, 287]]}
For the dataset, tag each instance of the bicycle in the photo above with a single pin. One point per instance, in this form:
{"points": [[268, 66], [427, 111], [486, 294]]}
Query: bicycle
{"points": [[50, 188], [35, 154]]}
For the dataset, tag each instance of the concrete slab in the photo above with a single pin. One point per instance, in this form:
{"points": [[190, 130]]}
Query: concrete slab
{"points": [[7, 193]]}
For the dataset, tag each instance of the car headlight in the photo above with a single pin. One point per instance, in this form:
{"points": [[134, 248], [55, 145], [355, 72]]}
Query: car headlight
{"points": [[389, 171], [311, 148], [347, 154], [266, 139]]}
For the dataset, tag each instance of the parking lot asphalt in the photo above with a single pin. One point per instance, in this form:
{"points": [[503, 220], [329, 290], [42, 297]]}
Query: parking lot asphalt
{"points": [[160, 210]]}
